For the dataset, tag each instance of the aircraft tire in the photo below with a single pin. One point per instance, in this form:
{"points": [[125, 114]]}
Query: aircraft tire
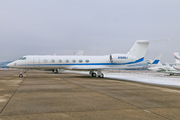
{"points": [[20, 75], [93, 74], [101, 76], [171, 74]]}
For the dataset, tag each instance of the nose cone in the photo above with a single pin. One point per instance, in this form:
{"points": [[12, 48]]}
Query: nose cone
{"points": [[10, 64]]}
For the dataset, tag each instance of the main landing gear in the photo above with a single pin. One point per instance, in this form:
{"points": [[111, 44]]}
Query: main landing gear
{"points": [[55, 71], [99, 74], [171, 74]]}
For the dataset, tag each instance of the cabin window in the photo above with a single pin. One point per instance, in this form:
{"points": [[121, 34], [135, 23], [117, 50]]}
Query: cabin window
{"points": [[73, 61], [45, 61], [87, 61], [20, 58], [24, 58], [60, 61], [80, 61], [52, 61], [67, 61]]}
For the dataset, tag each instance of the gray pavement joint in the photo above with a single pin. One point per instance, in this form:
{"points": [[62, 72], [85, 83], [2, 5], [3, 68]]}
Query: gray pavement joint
{"points": [[120, 100], [12, 95], [100, 101]]}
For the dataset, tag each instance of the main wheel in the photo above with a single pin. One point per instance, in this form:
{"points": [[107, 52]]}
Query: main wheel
{"points": [[171, 74], [101, 76], [93, 74]]}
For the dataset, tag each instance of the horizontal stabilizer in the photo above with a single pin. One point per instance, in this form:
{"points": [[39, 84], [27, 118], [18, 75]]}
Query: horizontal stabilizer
{"points": [[155, 41]]}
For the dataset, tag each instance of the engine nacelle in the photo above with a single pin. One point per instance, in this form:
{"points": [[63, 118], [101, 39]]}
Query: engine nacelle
{"points": [[121, 58]]}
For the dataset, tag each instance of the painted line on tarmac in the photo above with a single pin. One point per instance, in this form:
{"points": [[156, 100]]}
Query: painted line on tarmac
{"points": [[12, 96]]}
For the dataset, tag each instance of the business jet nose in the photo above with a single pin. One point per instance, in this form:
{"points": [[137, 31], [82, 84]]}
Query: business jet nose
{"points": [[11, 64]]}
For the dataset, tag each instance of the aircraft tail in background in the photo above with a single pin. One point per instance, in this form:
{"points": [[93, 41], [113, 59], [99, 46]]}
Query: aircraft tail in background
{"points": [[156, 62], [177, 57]]}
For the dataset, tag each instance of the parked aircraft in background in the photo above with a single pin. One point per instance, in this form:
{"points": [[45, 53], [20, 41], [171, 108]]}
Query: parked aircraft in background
{"points": [[94, 64], [154, 64], [158, 67], [177, 60]]}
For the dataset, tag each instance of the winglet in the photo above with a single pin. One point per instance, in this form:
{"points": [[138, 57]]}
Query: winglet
{"points": [[155, 41], [80, 53]]}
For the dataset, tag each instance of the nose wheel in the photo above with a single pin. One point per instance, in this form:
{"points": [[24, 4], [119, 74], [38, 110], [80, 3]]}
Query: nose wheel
{"points": [[21, 75]]}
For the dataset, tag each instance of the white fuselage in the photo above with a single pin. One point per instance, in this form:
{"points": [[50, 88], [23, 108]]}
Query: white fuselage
{"points": [[72, 62], [162, 69], [89, 63]]}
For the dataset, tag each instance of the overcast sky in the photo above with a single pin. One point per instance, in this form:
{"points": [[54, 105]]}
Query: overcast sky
{"points": [[98, 27]]}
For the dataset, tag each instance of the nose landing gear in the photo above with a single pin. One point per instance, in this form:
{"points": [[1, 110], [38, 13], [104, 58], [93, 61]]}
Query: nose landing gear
{"points": [[21, 73]]}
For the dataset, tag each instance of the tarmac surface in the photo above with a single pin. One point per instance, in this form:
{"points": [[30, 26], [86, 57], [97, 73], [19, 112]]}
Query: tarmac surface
{"points": [[43, 95]]}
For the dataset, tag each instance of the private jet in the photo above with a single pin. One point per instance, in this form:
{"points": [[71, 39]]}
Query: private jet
{"points": [[158, 67], [93, 64]]}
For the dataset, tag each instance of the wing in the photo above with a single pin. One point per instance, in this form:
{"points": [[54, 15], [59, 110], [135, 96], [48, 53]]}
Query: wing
{"points": [[89, 68]]}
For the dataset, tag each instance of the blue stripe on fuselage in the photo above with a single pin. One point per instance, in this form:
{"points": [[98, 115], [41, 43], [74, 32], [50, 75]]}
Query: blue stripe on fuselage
{"points": [[137, 61]]}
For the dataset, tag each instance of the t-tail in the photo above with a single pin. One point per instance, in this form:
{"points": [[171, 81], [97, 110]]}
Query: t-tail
{"points": [[139, 49]]}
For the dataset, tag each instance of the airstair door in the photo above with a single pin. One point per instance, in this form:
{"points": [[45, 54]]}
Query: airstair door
{"points": [[36, 62]]}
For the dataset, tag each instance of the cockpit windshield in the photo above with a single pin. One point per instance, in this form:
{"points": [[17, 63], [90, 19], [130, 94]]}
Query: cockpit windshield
{"points": [[22, 58]]}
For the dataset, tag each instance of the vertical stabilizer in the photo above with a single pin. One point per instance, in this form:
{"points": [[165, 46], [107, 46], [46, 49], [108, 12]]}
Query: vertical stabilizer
{"points": [[177, 60], [177, 57], [139, 49], [156, 61]]}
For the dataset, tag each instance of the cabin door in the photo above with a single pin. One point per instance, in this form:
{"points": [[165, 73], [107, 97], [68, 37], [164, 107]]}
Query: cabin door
{"points": [[36, 62]]}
